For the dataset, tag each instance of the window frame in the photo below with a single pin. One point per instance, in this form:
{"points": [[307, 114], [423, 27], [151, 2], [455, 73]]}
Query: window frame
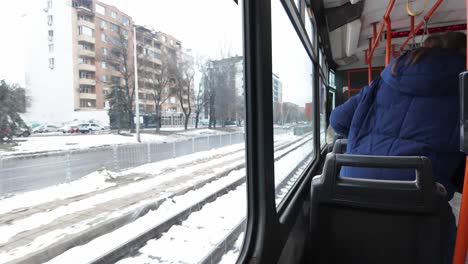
{"points": [[267, 225]]}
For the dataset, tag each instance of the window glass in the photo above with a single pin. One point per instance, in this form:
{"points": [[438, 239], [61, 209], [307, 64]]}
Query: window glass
{"points": [[125, 21], [323, 112], [114, 27], [187, 163], [83, 30], [100, 9], [292, 102]]}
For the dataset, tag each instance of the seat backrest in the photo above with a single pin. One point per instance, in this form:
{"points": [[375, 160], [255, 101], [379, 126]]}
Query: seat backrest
{"points": [[340, 146], [378, 221]]}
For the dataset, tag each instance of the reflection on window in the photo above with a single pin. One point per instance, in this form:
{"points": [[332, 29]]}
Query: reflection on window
{"points": [[292, 102], [80, 165]]}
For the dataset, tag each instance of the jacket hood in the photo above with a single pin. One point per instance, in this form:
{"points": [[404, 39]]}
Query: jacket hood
{"points": [[436, 74]]}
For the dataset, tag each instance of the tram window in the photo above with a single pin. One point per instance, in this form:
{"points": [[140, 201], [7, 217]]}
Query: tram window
{"points": [[77, 172], [323, 112], [331, 79], [292, 102], [309, 29]]}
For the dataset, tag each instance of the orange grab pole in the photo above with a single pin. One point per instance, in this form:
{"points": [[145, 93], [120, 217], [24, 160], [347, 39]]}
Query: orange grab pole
{"points": [[389, 42], [369, 63], [373, 46], [461, 243], [426, 17]]}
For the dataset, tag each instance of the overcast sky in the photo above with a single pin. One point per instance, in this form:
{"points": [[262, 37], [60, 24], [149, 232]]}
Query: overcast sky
{"points": [[211, 28]]}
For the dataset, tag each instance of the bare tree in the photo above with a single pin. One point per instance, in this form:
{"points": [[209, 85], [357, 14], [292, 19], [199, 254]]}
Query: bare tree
{"points": [[184, 76], [120, 58], [199, 103], [157, 77], [201, 98]]}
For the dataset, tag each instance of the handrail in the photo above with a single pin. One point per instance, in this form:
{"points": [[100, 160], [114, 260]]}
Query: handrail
{"points": [[372, 47], [461, 242], [426, 18]]}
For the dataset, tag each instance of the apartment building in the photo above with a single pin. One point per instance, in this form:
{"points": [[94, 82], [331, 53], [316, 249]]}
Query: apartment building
{"points": [[71, 62], [156, 52], [103, 31]]}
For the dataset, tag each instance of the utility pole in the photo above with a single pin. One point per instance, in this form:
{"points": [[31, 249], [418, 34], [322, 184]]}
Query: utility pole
{"points": [[137, 99]]}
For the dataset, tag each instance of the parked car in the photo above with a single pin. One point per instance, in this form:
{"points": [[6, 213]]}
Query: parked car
{"points": [[69, 129], [204, 122], [89, 127], [45, 129], [23, 132]]}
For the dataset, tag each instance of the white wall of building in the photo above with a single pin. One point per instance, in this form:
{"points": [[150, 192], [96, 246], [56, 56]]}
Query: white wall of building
{"points": [[50, 91]]}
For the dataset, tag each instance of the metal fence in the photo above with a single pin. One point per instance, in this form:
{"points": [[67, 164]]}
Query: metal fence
{"points": [[32, 172]]}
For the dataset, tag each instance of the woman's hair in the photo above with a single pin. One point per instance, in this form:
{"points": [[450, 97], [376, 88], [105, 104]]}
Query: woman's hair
{"points": [[453, 41]]}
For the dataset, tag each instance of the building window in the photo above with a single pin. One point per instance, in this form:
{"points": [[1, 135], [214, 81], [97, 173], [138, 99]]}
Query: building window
{"points": [[100, 9], [104, 65], [51, 47], [84, 60], [172, 42], [103, 37], [86, 75], [87, 103], [125, 33], [173, 100], [105, 91], [86, 89], [104, 51], [103, 24], [86, 31], [125, 20], [50, 20], [51, 63], [104, 78], [85, 46], [114, 27], [163, 38], [51, 35], [114, 15]]}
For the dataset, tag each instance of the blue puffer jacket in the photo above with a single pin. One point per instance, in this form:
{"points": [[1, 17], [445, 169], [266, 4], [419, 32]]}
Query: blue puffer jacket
{"points": [[414, 112]]}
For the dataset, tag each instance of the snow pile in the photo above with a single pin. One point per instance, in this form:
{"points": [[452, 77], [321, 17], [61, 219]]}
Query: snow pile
{"points": [[94, 249], [198, 234], [60, 143], [90, 183]]}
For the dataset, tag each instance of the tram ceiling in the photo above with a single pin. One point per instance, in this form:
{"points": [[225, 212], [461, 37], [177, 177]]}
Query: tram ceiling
{"points": [[351, 39], [449, 12]]}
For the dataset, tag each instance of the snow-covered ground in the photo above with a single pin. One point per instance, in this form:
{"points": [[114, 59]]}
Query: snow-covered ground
{"points": [[198, 234], [35, 144], [154, 174]]}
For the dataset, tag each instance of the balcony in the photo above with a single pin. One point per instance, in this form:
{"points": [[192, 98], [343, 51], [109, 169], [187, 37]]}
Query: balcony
{"points": [[86, 53], [86, 39], [88, 96], [87, 82], [87, 67], [86, 23]]}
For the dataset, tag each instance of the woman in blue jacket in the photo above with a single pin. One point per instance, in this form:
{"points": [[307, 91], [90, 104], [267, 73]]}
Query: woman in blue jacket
{"points": [[412, 110]]}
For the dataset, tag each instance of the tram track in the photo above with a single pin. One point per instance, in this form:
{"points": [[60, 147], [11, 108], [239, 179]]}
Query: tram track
{"points": [[127, 216], [131, 246]]}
